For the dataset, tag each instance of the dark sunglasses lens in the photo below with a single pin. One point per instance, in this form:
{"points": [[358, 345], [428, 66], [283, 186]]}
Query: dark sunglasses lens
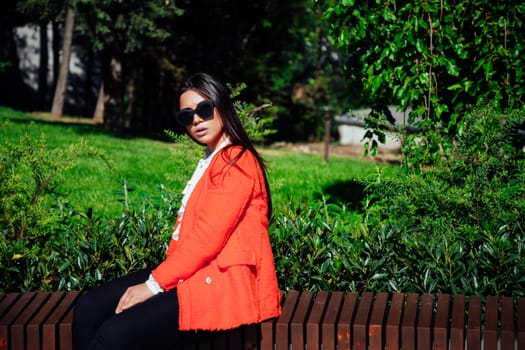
{"points": [[184, 117], [205, 109]]}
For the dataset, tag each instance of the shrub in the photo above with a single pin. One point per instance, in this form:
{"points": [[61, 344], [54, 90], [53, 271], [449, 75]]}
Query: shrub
{"points": [[81, 251], [313, 243], [30, 173], [458, 226]]}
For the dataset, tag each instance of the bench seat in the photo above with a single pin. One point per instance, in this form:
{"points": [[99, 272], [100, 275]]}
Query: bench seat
{"points": [[322, 320]]}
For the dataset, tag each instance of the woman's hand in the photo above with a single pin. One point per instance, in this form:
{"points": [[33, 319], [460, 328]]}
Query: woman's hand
{"points": [[132, 296]]}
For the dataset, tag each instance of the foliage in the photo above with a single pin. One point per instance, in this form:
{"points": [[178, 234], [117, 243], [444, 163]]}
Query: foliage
{"points": [[434, 57], [316, 244], [453, 228], [43, 10], [456, 227], [125, 25], [80, 251], [460, 223], [255, 120], [30, 175]]}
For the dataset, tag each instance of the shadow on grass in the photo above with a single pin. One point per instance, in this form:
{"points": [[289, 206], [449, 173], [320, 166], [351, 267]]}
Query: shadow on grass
{"points": [[351, 193]]}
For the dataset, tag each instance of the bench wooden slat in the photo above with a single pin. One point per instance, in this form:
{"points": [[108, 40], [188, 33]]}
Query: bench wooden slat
{"points": [[5, 304], [474, 323], [6, 301], [424, 322], [313, 324], [490, 340], [441, 322], [65, 331], [344, 326], [33, 329], [282, 323], [19, 325], [361, 321], [298, 324], [267, 334], [457, 323], [16, 308], [50, 326], [507, 323], [377, 317], [328, 328], [408, 330], [521, 323], [393, 323]]}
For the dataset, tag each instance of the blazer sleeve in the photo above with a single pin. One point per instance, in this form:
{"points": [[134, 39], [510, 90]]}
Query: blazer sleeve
{"points": [[215, 214]]}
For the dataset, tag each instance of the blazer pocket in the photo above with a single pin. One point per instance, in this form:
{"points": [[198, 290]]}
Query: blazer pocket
{"points": [[241, 257]]}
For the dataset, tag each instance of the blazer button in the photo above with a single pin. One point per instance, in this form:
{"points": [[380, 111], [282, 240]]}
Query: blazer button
{"points": [[208, 280]]}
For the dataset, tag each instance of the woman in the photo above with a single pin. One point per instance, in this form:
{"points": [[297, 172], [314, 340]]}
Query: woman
{"points": [[219, 271]]}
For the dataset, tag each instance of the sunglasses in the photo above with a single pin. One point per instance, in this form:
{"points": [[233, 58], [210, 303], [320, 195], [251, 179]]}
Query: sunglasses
{"points": [[204, 110]]}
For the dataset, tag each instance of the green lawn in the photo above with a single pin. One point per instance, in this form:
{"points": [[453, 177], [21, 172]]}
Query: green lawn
{"points": [[145, 164]]}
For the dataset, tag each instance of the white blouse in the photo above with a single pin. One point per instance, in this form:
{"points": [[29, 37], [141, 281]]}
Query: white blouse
{"points": [[186, 193]]}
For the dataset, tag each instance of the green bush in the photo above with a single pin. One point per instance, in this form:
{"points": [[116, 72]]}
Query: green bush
{"points": [[458, 227], [81, 251], [30, 174], [312, 242], [455, 228]]}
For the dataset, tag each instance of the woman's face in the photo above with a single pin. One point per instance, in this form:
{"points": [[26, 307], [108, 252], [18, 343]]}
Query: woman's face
{"points": [[206, 131]]}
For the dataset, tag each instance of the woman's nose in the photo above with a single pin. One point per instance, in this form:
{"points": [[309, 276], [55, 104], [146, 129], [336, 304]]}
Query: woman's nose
{"points": [[196, 119]]}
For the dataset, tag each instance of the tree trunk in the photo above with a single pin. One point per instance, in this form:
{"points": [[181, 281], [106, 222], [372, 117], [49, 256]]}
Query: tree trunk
{"points": [[98, 115], [58, 100], [114, 92]]}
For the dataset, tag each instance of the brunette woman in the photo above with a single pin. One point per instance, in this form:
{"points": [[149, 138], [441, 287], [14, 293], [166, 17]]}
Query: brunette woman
{"points": [[219, 270]]}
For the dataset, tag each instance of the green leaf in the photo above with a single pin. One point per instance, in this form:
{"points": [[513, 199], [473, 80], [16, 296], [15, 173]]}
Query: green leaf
{"points": [[452, 68]]}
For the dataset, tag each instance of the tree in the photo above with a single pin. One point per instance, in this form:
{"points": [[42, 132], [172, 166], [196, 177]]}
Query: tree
{"points": [[123, 33], [433, 56], [60, 90], [52, 11]]}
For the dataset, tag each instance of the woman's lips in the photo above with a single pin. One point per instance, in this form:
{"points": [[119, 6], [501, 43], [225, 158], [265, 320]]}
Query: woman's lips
{"points": [[200, 132]]}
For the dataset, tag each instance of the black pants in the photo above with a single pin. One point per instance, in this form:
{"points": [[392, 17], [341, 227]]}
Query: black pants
{"points": [[153, 324]]}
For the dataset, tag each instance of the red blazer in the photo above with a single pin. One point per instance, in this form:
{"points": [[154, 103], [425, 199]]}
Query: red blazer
{"points": [[222, 263]]}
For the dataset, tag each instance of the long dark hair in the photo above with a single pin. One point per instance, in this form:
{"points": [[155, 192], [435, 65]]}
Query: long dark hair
{"points": [[209, 87]]}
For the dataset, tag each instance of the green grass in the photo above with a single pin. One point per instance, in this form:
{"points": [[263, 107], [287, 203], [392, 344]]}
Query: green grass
{"points": [[145, 164]]}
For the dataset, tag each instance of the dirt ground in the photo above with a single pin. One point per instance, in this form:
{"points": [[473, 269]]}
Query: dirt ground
{"points": [[354, 152]]}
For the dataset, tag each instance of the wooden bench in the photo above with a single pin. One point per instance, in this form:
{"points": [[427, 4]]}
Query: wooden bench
{"points": [[327, 320]]}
